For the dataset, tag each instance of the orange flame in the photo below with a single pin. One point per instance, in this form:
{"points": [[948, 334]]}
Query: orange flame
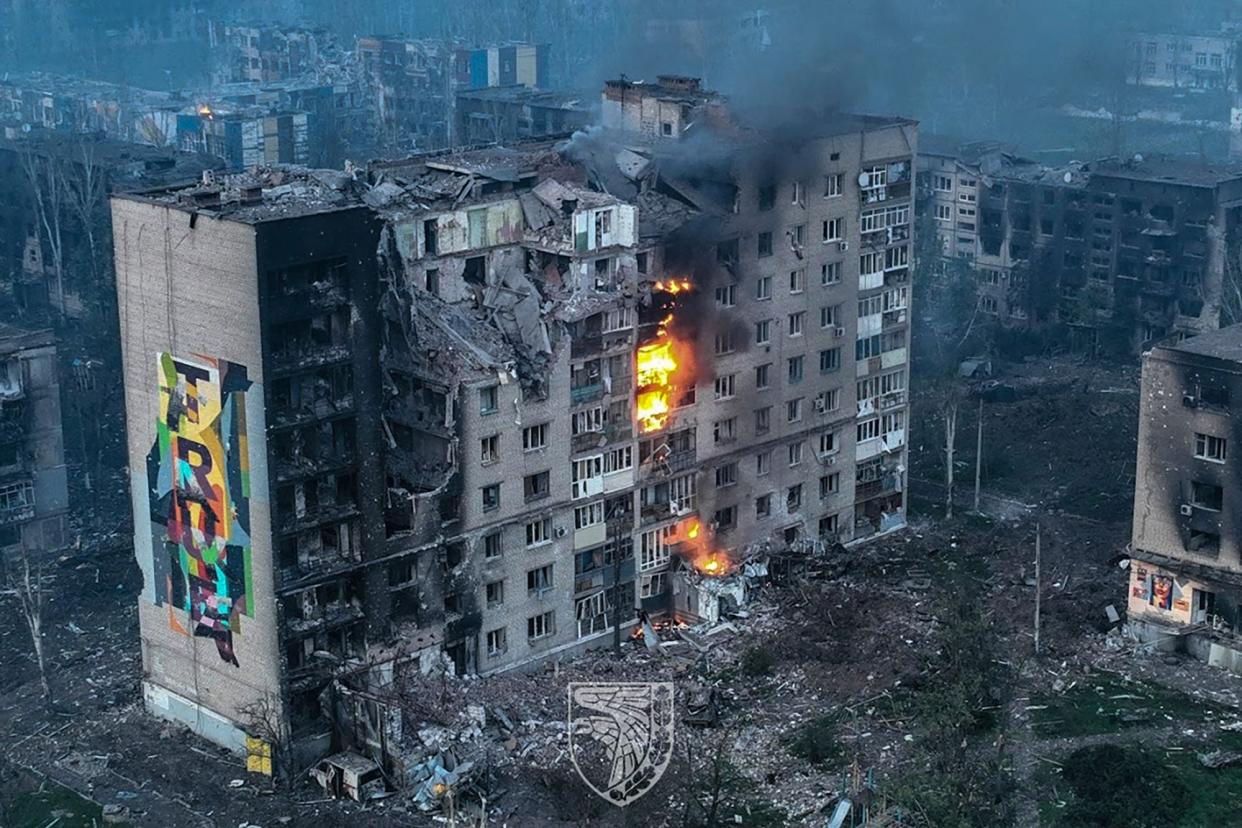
{"points": [[673, 286], [656, 364]]}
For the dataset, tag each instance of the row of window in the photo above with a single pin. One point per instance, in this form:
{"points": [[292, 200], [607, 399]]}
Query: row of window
{"points": [[538, 626]]}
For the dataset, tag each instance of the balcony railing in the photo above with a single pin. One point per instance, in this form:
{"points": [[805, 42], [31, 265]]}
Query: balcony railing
{"points": [[303, 356], [586, 393]]}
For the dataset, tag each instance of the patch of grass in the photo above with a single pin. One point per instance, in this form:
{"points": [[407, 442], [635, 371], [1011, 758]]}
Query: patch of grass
{"points": [[1106, 703], [1214, 794], [36, 809], [1121, 786], [757, 661], [818, 742]]}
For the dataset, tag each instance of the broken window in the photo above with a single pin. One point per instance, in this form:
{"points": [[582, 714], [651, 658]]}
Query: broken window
{"points": [[497, 642], [767, 197], [725, 386], [536, 486], [726, 475], [476, 270], [432, 282], [725, 431], [793, 498], [541, 626], [725, 518], [535, 437], [490, 496], [828, 526], [764, 245], [763, 420], [495, 594], [1211, 448], [726, 296], [763, 506], [1204, 543], [489, 449], [488, 399], [829, 484], [1206, 496], [492, 547], [430, 238], [762, 376], [829, 360], [539, 532], [763, 287], [795, 323]]}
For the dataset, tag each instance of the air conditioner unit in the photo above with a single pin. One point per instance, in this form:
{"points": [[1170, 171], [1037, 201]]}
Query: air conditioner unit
{"points": [[1190, 400], [820, 404], [838, 332], [843, 246], [1187, 510]]}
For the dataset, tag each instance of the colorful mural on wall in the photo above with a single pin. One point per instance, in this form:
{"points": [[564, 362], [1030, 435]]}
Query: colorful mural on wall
{"points": [[199, 469]]}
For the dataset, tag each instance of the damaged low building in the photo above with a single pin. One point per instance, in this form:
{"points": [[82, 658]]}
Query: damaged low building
{"points": [[1186, 571], [473, 410]]}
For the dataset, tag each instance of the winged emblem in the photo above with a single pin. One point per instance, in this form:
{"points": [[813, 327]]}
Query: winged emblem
{"points": [[620, 736]]}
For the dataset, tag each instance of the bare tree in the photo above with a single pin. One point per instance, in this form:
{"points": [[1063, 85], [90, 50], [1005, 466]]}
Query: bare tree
{"points": [[1231, 286], [264, 719], [949, 410], [27, 588], [43, 175], [84, 189]]}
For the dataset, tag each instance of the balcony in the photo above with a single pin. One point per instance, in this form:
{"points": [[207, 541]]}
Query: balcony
{"points": [[301, 356], [314, 298], [327, 513], [587, 440], [293, 468], [286, 415], [586, 393], [665, 465], [17, 513]]}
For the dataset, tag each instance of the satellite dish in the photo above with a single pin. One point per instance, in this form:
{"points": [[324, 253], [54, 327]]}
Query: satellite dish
{"points": [[1068, 177], [863, 179]]}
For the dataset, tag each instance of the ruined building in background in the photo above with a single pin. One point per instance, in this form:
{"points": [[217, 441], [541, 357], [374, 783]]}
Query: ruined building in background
{"points": [[34, 491], [265, 53], [410, 85], [660, 111], [472, 409], [1120, 252], [1193, 59], [1186, 569], [504, 114]]}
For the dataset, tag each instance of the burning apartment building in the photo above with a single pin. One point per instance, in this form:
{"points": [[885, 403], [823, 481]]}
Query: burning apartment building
{"points": [[485, 408], [1185, 571], [1121, 253]]}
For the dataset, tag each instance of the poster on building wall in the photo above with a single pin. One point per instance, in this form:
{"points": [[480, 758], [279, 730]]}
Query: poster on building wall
{"points": [[199, 473]]}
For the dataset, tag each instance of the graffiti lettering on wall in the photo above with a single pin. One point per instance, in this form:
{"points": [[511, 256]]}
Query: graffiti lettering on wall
{"points": [[199, 470]]}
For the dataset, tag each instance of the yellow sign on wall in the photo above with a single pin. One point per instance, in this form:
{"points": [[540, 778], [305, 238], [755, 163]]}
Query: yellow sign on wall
{"points": [[258, 756]]}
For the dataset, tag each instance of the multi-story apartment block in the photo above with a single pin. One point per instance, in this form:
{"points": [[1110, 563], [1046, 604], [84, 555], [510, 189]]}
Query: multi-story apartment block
{"points": [[504, 114], [1184, 60], [489, 412], [1186, 570], [660, 111], [264, 53], [34, 491], [1121, 253], [410, 85]]}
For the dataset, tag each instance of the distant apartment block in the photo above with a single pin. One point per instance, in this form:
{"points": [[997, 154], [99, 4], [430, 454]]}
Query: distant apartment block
{"points": [[1121, 253]]}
